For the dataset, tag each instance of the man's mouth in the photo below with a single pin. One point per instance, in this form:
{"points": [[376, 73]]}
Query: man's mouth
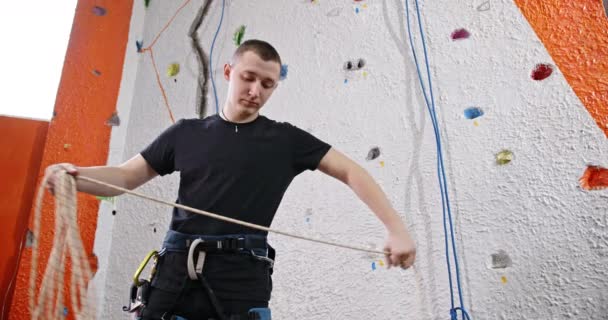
{"points": [[250, 103]]}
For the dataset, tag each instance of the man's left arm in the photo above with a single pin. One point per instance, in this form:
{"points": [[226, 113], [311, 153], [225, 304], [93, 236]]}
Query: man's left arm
{"points": [[399, 244]]}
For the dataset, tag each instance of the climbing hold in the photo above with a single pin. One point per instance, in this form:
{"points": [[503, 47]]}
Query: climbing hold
{"points": [[460, 34], [66, 146], [472, 113], [504, 157], [503, 279], [382, 164], [373, 153], [594, 178], [96, 72], [334, 12], [283, 72], [139, 45], [484, 6], [146, 3], [173, 70], [108, 199], [373, 265], [238, 35], [113, 121], [360, 63], [381, 263], [500, 260], [99, 11], [541, 71], [348, 65], [345, 81], [29, 239]]}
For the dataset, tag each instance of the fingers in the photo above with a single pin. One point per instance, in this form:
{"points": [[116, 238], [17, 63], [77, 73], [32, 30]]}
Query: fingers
{"points": [[53, 172], [407, 259], [403, 260]]}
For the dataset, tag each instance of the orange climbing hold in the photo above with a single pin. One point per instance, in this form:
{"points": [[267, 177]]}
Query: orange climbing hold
{"points": [[594, 178]]}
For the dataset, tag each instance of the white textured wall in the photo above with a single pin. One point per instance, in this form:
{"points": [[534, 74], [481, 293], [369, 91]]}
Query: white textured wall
{"points": [[555, 234]]}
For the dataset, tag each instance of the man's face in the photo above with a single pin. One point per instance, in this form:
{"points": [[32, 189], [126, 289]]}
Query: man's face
{"points": [[251, 81]]}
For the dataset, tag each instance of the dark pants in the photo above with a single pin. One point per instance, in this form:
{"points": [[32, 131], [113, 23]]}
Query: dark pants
{"points": [[239, 281], [194, 305]]}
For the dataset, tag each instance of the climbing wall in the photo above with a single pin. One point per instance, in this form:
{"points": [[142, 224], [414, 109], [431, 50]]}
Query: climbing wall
{"points": [[510, 93]]}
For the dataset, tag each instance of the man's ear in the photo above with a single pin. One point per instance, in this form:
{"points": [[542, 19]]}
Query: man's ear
{"points": [[227, 70]]}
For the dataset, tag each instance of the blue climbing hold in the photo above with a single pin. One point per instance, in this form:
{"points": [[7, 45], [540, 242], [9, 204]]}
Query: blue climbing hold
{"points": [[472, 113]]}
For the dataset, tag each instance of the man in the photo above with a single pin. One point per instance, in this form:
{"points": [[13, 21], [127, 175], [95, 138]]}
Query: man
{"points": [[237, 164]]}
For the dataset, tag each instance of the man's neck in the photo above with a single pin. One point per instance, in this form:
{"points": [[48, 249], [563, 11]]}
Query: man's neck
{"points": [[236, 117]]}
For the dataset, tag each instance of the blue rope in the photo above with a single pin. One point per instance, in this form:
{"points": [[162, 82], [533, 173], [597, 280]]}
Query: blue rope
{"points": [[445, 200], [217, 108]]}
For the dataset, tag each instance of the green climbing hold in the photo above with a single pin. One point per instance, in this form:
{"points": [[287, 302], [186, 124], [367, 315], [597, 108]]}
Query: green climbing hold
{"points": [[504, 157], [146, 3], [173, 70], [109, 199], [238, 35]]}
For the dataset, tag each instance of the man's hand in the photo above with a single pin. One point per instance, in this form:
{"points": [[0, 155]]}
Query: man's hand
{"points": [[401, 248], [53, 172]]}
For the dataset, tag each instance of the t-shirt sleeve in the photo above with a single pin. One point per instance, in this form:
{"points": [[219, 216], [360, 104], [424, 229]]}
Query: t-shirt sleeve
{"points": [[308, 150], [160, 154]]}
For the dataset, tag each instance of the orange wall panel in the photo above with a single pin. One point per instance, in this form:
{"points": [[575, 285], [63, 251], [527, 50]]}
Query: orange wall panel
{"points": [[22, 144], [78, 133]]}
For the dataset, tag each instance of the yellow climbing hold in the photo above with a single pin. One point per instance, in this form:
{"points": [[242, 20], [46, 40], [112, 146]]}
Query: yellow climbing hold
{"points": [[504, 157], [475, 123], [503, 279], [382, 164], [381, 263], [173, 70]]}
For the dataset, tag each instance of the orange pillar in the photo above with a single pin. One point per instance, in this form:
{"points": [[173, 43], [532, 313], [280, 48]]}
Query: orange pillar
{"points": [[86, 98]]}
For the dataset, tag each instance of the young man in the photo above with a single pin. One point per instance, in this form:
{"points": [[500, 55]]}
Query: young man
{"points": [[237, 164]]}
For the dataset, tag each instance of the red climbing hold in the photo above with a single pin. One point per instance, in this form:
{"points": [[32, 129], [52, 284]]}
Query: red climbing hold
{"points": [[542, 71], [594, 178], [460, 34]]}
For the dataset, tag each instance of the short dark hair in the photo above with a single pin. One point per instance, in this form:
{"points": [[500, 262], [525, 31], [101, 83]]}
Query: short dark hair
{"points": [[262, 48]]}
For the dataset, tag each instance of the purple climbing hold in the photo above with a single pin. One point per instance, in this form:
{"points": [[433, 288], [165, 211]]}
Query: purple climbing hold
{"points": [[99, 11], [459, 34]]}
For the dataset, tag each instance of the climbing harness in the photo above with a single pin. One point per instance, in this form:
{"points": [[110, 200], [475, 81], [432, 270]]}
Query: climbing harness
{"points": [[197, 248], [140, 289]]}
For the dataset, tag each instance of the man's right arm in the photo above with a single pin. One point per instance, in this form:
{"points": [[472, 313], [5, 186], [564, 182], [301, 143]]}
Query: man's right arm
{"points": [[129, 175]]}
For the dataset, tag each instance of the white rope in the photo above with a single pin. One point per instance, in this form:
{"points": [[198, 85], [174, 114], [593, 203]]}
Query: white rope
{"points": [[67, 244], [231, 220]]}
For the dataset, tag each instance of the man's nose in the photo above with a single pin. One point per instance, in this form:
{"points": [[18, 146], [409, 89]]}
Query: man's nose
{"points": [[254, 90]]}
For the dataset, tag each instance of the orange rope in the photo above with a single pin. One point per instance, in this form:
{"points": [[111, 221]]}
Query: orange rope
{"points": [[167, 25], [149, 49], [160, 85]]}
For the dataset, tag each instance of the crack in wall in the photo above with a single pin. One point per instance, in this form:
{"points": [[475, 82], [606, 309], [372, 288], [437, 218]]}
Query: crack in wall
{"points": [[202, 59]]}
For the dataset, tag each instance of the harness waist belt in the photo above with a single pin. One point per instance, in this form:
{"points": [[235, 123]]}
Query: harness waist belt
{"points": [[177, 241]]}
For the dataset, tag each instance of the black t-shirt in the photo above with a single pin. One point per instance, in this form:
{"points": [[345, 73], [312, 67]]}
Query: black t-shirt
{"points": [[236, 170]]}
